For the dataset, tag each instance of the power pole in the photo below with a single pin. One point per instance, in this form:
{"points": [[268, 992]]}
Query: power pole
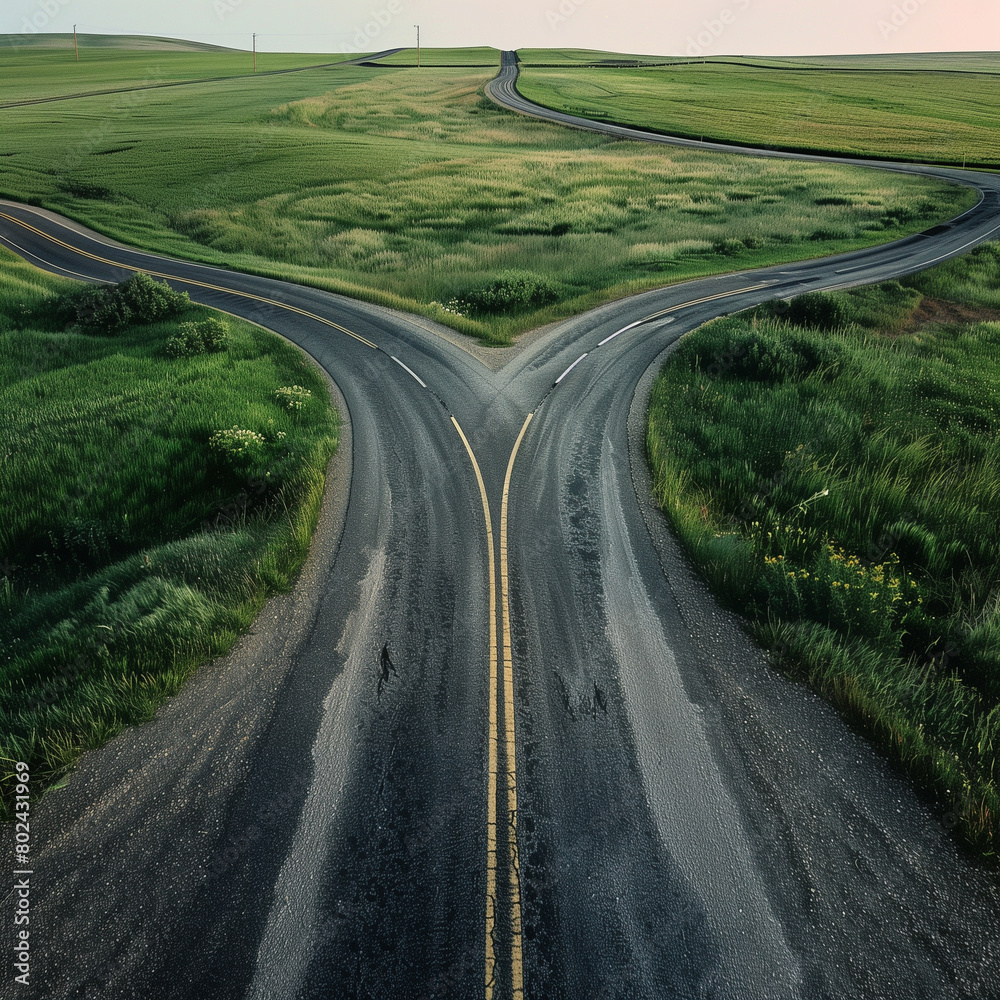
{"points": [[417, 26], [76, 47], [255, 51]]}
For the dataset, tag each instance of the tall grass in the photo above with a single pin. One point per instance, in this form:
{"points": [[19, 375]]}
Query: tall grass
{"points": [[131, 550], [408, 188], [859, 533]]}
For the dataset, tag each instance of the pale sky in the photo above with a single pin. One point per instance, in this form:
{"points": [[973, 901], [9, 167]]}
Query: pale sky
{"points": [[667, 27]]}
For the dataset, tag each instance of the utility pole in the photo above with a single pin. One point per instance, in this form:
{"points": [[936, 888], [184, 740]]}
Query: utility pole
{"points": [[76, 47], [255, 51], [417, 26]]}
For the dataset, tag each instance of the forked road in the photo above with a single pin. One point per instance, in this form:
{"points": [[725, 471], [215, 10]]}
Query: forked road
{"points": [[571, 777]]}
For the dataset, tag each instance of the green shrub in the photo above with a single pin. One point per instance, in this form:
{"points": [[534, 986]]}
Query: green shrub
{"points": [[185, 343], [729, 247], [769, 352], [214, 334], [140, 299], [191, 339], [818, 310], [511, 291], [148, 300], [99, 310]]}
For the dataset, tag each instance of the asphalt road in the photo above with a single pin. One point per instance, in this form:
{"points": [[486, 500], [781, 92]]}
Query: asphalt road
{"points": [[572, 777]]}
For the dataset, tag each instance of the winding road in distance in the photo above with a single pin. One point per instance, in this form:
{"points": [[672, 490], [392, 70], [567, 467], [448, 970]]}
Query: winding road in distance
{"points": [[573, 776]]}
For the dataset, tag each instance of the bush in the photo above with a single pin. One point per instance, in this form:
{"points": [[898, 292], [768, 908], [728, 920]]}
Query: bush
{"points": [[185, 344], [817, 310], [98, 309], [140, 299], [729, 247], [214, 334], [768, 353], [192, 339], [510, 291], [148, 300]]}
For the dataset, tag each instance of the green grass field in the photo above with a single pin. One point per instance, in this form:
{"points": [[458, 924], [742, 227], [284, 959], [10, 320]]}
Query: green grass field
{"points": [[407, 187], [132, 548], [859, 532], [966, 62], [30, 72], [927, 116]]}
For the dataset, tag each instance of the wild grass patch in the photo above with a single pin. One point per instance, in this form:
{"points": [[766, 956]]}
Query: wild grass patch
{"points": [[141, 532], [859, 533]]}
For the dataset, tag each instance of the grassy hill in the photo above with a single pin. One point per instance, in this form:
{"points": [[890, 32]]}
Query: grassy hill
{"points": [[922, 115], [136, 541]]}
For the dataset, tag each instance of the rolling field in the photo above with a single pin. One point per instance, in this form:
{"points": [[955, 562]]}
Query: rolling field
{"points": [[31, 72], [408, 188], [859, 534], [924, 116], [965, 62], [137, 540]]}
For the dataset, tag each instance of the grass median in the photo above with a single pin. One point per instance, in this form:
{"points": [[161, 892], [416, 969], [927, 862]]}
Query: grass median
{"points": [[159, 482], [408, 188], [832, 466]]}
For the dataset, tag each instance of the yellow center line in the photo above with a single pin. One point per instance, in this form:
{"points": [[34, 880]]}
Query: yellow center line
{"points": [[192, 281], [516, 947], [492, 804], [707, 298], [491, 792]]}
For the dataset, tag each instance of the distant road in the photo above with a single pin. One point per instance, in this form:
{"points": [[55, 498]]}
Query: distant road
{"points": [[506, 744]]}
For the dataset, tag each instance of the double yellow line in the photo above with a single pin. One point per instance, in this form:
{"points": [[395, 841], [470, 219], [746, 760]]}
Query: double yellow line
{"points": [[706, 298], [501, 661], [187, 281], [501, 655]]}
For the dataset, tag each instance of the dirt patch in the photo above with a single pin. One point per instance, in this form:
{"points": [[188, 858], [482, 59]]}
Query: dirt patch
{"points": [[941, 312]]}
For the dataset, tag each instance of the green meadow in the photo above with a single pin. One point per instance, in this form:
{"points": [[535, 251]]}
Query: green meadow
{"points": [[923, 115], [32, 71], [966, 62], [859, 534], [141, 532], [408, 188]]}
